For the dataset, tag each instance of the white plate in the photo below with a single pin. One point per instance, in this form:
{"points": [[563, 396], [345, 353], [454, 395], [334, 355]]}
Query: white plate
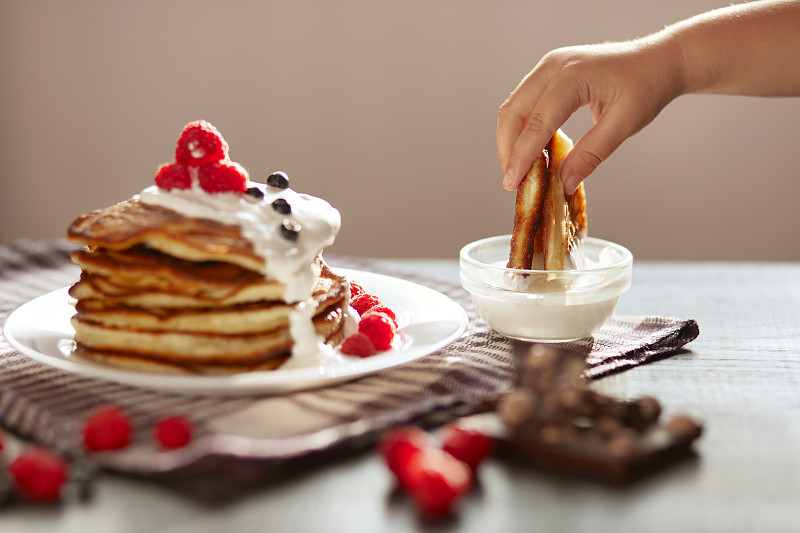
{"points": [[428, 321]]}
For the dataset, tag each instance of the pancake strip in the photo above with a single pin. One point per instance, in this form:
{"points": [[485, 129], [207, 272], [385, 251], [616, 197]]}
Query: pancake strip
{"points": [[528, 213]]}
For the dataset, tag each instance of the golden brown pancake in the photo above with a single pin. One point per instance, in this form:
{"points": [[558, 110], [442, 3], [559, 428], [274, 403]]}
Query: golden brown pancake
{"points": [[236, 319], [546, 220], [146, 364], [132, 222], [186, 348], [531, 195], [147, 269]]}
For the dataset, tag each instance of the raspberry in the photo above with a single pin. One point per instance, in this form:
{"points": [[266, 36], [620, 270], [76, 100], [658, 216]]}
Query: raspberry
{"points": [[224, 176], [199, 143], [436, 480], [468, 446], [39, 474], [107, 428], [173, 176], [398, 445], [383, 310], [1, 441], [355, 289], [364, 302], [174, 432], [379, 328], [359, 345]]}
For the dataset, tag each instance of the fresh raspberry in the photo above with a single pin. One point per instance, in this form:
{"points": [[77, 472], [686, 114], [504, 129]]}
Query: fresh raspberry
{"points": [[199, 143], [39, 474], [468, 446], [224, 176], [436, 481], [355, 289], [364, 302], [359, 345], [398, 445], [379, 328], [107, 428], [173, 176], [1, 441], [174, 432], [383, 310]]}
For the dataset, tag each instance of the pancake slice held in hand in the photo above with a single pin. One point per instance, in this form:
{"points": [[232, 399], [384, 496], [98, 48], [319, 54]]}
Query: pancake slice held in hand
{"points": [[546, 220], [531, 195]]}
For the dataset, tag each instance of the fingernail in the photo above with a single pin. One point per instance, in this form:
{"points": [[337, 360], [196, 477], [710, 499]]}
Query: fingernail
{"points": [[508, 180], [571, 183]]}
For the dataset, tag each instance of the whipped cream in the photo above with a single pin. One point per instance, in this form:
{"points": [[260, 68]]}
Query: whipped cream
{"points": [[290, 261]]}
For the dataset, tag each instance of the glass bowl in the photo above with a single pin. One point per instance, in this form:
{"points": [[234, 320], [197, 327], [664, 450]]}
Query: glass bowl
{"points": [[545, 305]]}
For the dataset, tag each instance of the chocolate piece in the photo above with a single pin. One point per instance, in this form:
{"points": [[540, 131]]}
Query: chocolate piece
{"points": [[681, 426], [516, 408], [553, 420], [624, 443]]}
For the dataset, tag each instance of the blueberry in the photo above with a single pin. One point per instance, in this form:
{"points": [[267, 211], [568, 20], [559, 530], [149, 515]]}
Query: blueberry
{"points": [[290, 230], [255, 192], [279, 180], [282, 206]]}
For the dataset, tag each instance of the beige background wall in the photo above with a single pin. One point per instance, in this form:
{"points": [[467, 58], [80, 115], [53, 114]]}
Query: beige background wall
{"points": [[385, 108]]}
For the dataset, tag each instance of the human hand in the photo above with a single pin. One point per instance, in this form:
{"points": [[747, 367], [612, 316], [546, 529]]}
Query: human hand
{"points": [[625, 85]]}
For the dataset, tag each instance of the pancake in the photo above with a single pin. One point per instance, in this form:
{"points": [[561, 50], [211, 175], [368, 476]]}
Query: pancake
{"points": [[548, 224], [143, 268], [133, 222], [230, 319], [97, 287], [531, 196], [186, 348], [145, 364]]}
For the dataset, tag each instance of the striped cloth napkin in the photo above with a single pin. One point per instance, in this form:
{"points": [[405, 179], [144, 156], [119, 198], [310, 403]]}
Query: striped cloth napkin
{"points": [[244, 440]]}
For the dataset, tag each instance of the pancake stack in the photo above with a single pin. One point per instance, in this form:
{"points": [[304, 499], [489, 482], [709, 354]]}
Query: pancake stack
{"points": [[159, 291], [185, 280]]}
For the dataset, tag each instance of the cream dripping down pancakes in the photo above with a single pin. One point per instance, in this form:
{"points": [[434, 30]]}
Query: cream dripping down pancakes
{"points": [[208, 271]]}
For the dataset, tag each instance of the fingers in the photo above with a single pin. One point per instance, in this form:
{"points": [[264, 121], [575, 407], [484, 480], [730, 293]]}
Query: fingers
{"points": [[530, 139], [593, 148], [555, 105], [514, 114], [625, 85]]}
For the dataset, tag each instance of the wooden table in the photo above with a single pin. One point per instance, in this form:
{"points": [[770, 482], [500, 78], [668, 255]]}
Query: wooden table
{"points": [[741, 377]]}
